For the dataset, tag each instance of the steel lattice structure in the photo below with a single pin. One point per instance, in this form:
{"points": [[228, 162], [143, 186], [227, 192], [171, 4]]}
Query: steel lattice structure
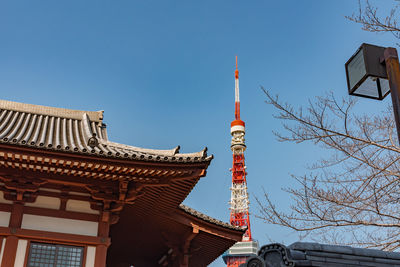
{"points": [[239, 204]]}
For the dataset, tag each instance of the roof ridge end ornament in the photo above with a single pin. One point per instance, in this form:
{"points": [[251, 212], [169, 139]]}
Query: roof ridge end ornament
{"points": [[177, 149], [93, 141], [204, 151], [101, 113]]}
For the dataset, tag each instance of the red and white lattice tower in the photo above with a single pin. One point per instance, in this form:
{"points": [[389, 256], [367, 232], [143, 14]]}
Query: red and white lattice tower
{"points": [[239, 204]]}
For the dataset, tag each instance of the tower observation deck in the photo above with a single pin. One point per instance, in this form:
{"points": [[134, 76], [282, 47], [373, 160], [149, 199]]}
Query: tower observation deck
{"points": [[239, 204]]}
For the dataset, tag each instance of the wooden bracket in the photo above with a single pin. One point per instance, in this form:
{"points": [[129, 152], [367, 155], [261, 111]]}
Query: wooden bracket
{"points": [[21, 189]]}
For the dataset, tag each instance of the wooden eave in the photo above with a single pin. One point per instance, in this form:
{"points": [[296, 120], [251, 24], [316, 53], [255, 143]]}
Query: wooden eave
{"points": [[50, 162], [146, 183], [57, 147], [159, 238]]}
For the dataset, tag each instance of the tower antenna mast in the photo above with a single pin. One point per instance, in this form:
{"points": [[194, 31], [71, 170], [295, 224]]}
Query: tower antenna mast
{"points": [[239, 204]]}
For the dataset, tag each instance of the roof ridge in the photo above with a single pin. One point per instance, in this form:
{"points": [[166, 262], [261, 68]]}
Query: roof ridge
{"points": [[167, 152], [76, 131], [96, 116]]}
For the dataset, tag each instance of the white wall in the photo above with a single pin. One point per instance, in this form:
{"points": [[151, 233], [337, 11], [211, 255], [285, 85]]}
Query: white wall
{"points": [[90, 256], [59, 225], [5, 218], [21, 251], [3, 200], [80, 206], [45, 202]]}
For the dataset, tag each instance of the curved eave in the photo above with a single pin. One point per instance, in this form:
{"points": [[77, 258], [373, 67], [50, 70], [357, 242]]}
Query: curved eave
{"points": [[118, 157], [159, 229], [206, 218]]}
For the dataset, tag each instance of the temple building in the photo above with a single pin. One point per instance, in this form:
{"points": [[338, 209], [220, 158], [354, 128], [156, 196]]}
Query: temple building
{"points": [[71, 197]]}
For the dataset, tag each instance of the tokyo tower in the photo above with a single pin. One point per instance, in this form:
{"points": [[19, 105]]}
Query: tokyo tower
{"points": [[239, 204]]}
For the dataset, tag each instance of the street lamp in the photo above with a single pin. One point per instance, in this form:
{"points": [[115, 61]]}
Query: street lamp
{"points": [[374, 72]]}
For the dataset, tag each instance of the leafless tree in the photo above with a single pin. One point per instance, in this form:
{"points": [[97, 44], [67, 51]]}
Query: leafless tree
{"points": [[354, 196], [370, 19]]}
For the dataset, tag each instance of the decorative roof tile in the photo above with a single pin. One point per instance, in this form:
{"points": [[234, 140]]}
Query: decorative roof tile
{"points": [[309, 254], [209, 219], [75, 131]]}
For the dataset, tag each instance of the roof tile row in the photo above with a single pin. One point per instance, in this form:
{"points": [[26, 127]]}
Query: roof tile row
{"points": [[75, 131]]}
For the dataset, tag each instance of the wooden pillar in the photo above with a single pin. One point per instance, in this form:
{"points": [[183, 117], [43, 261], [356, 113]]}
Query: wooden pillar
{"points": [[184, 258], [10, 251], [11, 245], [16, 215], [103, 232], [101, 256]]}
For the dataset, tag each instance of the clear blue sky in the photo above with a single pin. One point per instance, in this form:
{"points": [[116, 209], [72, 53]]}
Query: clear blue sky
{"points": [[163, 73]]}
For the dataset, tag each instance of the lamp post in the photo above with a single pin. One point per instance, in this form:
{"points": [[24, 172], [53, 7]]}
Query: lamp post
{"points": [[374, 72]]}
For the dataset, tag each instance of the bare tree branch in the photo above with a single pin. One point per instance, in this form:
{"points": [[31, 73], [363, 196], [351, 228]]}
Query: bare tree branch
{"points": [[356, 190], [371, 21]]}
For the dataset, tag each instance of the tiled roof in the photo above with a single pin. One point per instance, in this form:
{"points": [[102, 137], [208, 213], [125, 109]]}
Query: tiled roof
{"points": [[74, 131], [207, 218], [315, 254]]}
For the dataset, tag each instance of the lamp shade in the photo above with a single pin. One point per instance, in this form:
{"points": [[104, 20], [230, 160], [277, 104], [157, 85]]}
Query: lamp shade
{"points": [[366, 75]]}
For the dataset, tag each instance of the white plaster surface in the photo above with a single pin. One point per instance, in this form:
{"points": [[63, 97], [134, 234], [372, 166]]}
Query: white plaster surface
{"points": [[4, 218], [59, 225], [2, 249], [45, 202], [80, 206], [2, 200], [90, 256], [21, 250]]}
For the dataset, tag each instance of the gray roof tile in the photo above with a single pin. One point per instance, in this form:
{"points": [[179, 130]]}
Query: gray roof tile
{"points": [[75, 131], [314, 254], [209, 219]]}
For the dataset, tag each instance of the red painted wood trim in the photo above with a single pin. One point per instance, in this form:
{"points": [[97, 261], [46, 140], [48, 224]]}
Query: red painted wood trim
{"points": [[101, 250], [101, 256], [16, 215], [103, 229], [184, 218], [84, 257], [53, 213], [72, 196], [69, 196], [53, 237], [10, 251], [1, 244], [62, 214], [5, 207], [98, 159], [63, 204]]}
